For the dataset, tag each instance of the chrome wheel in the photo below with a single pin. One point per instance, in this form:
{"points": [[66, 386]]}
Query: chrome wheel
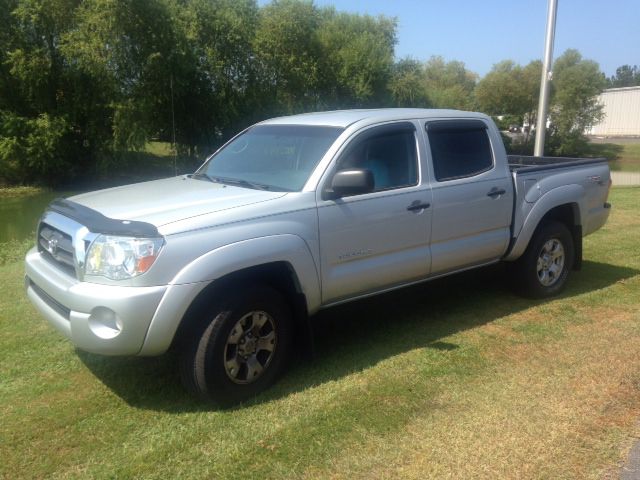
{"points": [[250, 347], [550, 262]]}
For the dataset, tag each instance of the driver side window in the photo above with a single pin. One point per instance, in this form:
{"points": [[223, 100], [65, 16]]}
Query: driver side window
{"points": [[389, 152]]}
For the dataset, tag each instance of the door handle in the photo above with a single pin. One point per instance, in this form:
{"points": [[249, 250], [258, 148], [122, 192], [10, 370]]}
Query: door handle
{"points": [[417, 205], [496, 192]]}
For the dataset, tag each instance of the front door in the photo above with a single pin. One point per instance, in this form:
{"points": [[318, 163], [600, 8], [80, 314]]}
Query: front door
{"points": [[376, 240]]}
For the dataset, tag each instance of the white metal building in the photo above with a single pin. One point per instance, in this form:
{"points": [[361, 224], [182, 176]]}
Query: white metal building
{"points": [[622, 113]]}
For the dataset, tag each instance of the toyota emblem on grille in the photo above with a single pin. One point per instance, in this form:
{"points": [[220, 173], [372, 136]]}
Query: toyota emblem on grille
{"points": [[52, 245]]}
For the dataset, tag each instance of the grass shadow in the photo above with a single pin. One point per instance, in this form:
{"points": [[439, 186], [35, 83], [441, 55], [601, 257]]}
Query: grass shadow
{"points": [[610, 151], [357, 335]]}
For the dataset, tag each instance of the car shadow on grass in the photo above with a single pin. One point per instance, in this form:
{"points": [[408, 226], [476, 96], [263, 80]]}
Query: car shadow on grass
{"points": [[354, 336]]}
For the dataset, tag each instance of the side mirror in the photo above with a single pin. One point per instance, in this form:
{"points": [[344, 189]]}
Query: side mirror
{"points": [[352, 182]]}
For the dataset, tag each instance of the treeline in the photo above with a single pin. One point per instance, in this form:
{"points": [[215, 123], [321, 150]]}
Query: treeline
{"points": [[84, 81], [626, 76]]}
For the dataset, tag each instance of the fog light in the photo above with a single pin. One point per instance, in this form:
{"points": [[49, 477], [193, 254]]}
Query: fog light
{"points": [[104, 323]]}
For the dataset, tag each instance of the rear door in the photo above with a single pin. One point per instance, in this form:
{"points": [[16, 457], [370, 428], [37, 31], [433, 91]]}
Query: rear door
{"points": [[472, 196], [379, 239]]}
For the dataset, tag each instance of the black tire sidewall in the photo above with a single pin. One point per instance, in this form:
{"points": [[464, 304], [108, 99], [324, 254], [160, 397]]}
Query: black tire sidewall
{"points": [[527, 275], [207, 360]]}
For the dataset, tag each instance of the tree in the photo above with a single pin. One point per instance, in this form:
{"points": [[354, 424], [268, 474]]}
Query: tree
{"points": [[52, 116], [134, 49], [357, 59], [626, 76], [218, 57], [288, 53], [574, 108], [83, 81], [314, 58], [449, 85], [405, 85], [512, 90]]}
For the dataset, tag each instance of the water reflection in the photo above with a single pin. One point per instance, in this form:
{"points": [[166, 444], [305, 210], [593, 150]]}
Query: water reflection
{"points": [[19, 215]]}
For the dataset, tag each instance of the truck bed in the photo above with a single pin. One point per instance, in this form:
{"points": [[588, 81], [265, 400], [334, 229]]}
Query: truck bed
{"points": [[533, 177], [525, 163]]}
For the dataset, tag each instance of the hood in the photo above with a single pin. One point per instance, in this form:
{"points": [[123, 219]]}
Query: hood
{"points": [[161, 202]]}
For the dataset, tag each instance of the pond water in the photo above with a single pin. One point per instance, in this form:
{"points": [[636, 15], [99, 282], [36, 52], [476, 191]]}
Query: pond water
{"points": [[19, 215]]}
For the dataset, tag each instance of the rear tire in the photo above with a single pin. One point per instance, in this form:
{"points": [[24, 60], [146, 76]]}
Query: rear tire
{"points": [[240, 347], [543, 269]]}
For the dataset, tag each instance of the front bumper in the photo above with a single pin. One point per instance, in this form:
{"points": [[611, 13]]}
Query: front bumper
{"points": [[105, 319]]}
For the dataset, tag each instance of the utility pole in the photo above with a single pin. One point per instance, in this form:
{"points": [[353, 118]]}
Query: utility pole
{"points": [[173, 127], [545, 82]]}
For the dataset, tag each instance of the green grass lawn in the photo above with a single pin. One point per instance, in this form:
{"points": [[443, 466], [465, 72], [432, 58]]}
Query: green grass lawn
{"points": [[457, 378], [625, 157], [19, 192], [629, 158]]}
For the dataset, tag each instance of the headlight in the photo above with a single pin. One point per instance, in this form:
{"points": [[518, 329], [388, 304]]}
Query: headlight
{"points": [[120, 258]]}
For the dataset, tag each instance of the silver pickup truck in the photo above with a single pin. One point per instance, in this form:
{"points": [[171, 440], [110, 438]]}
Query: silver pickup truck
{"points": [[296, 214]]}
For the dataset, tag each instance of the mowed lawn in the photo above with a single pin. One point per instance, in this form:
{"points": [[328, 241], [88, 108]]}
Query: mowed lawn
{"points": [[457, 378], [624, 153], [629, 160]]}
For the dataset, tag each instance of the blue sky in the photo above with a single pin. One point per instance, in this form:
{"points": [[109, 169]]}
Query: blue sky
{"points": [[481, 33]]}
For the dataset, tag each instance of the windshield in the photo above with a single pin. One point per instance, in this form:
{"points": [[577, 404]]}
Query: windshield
{"points": [[271, 157]]}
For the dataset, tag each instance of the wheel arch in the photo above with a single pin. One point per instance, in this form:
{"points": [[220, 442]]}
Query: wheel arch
{"points": [[562, 205], [282, 261], [279, 275]]}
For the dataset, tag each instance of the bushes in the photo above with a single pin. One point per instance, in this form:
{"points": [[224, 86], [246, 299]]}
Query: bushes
{"points": [[82, 83], [33, 149]]}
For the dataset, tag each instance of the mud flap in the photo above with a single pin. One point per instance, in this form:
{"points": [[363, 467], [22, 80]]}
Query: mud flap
{"points": [[576, 233]]}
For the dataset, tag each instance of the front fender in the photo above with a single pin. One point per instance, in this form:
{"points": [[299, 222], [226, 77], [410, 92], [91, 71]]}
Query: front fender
{"points": [[195, 276], [566, 194]]}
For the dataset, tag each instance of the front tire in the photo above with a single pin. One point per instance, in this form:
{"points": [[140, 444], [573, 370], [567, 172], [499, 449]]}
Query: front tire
{"points": [[240, 347], [543, 269]]}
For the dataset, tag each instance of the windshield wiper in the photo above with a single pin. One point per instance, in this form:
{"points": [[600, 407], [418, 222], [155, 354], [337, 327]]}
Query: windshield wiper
{"points": [[202, 175], [240, 182]]}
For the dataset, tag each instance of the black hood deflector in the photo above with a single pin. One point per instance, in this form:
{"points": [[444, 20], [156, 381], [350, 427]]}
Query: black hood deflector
{"points": [[98, 223]]}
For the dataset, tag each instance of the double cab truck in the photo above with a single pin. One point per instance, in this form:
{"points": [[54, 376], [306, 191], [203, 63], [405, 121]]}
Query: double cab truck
{"points": [[297, 214]]}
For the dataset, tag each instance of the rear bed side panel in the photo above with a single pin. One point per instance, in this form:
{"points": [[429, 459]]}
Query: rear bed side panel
{"points": [[584, 187], [566, 194]]}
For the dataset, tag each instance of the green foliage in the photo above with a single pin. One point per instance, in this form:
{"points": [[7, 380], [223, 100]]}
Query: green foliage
{"points": [[507, 141], [287, 45], [626, 76], [222, 92], [357, 59], [574, 108], [449, 84], [83, 82], [105, 76], [314, 59], [435, 84], [514, 90], [29, 147], [406, 84], [511, 89]]}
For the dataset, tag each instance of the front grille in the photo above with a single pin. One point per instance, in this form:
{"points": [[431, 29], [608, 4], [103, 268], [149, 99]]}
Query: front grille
{"points": [[57, 247]]}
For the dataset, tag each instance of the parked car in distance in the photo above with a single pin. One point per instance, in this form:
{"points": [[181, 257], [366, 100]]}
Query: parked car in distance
{"points": [[297, 214]]}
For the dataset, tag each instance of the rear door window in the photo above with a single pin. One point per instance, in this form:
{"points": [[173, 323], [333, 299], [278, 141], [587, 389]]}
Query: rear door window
{"points": [[459, 148]]}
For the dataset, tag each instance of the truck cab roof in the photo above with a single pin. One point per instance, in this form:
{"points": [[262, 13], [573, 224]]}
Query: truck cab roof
{"points": [[345, 118]]}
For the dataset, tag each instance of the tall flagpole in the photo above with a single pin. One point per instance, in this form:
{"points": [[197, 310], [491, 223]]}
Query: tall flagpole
{"points": [[545, 82]]}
